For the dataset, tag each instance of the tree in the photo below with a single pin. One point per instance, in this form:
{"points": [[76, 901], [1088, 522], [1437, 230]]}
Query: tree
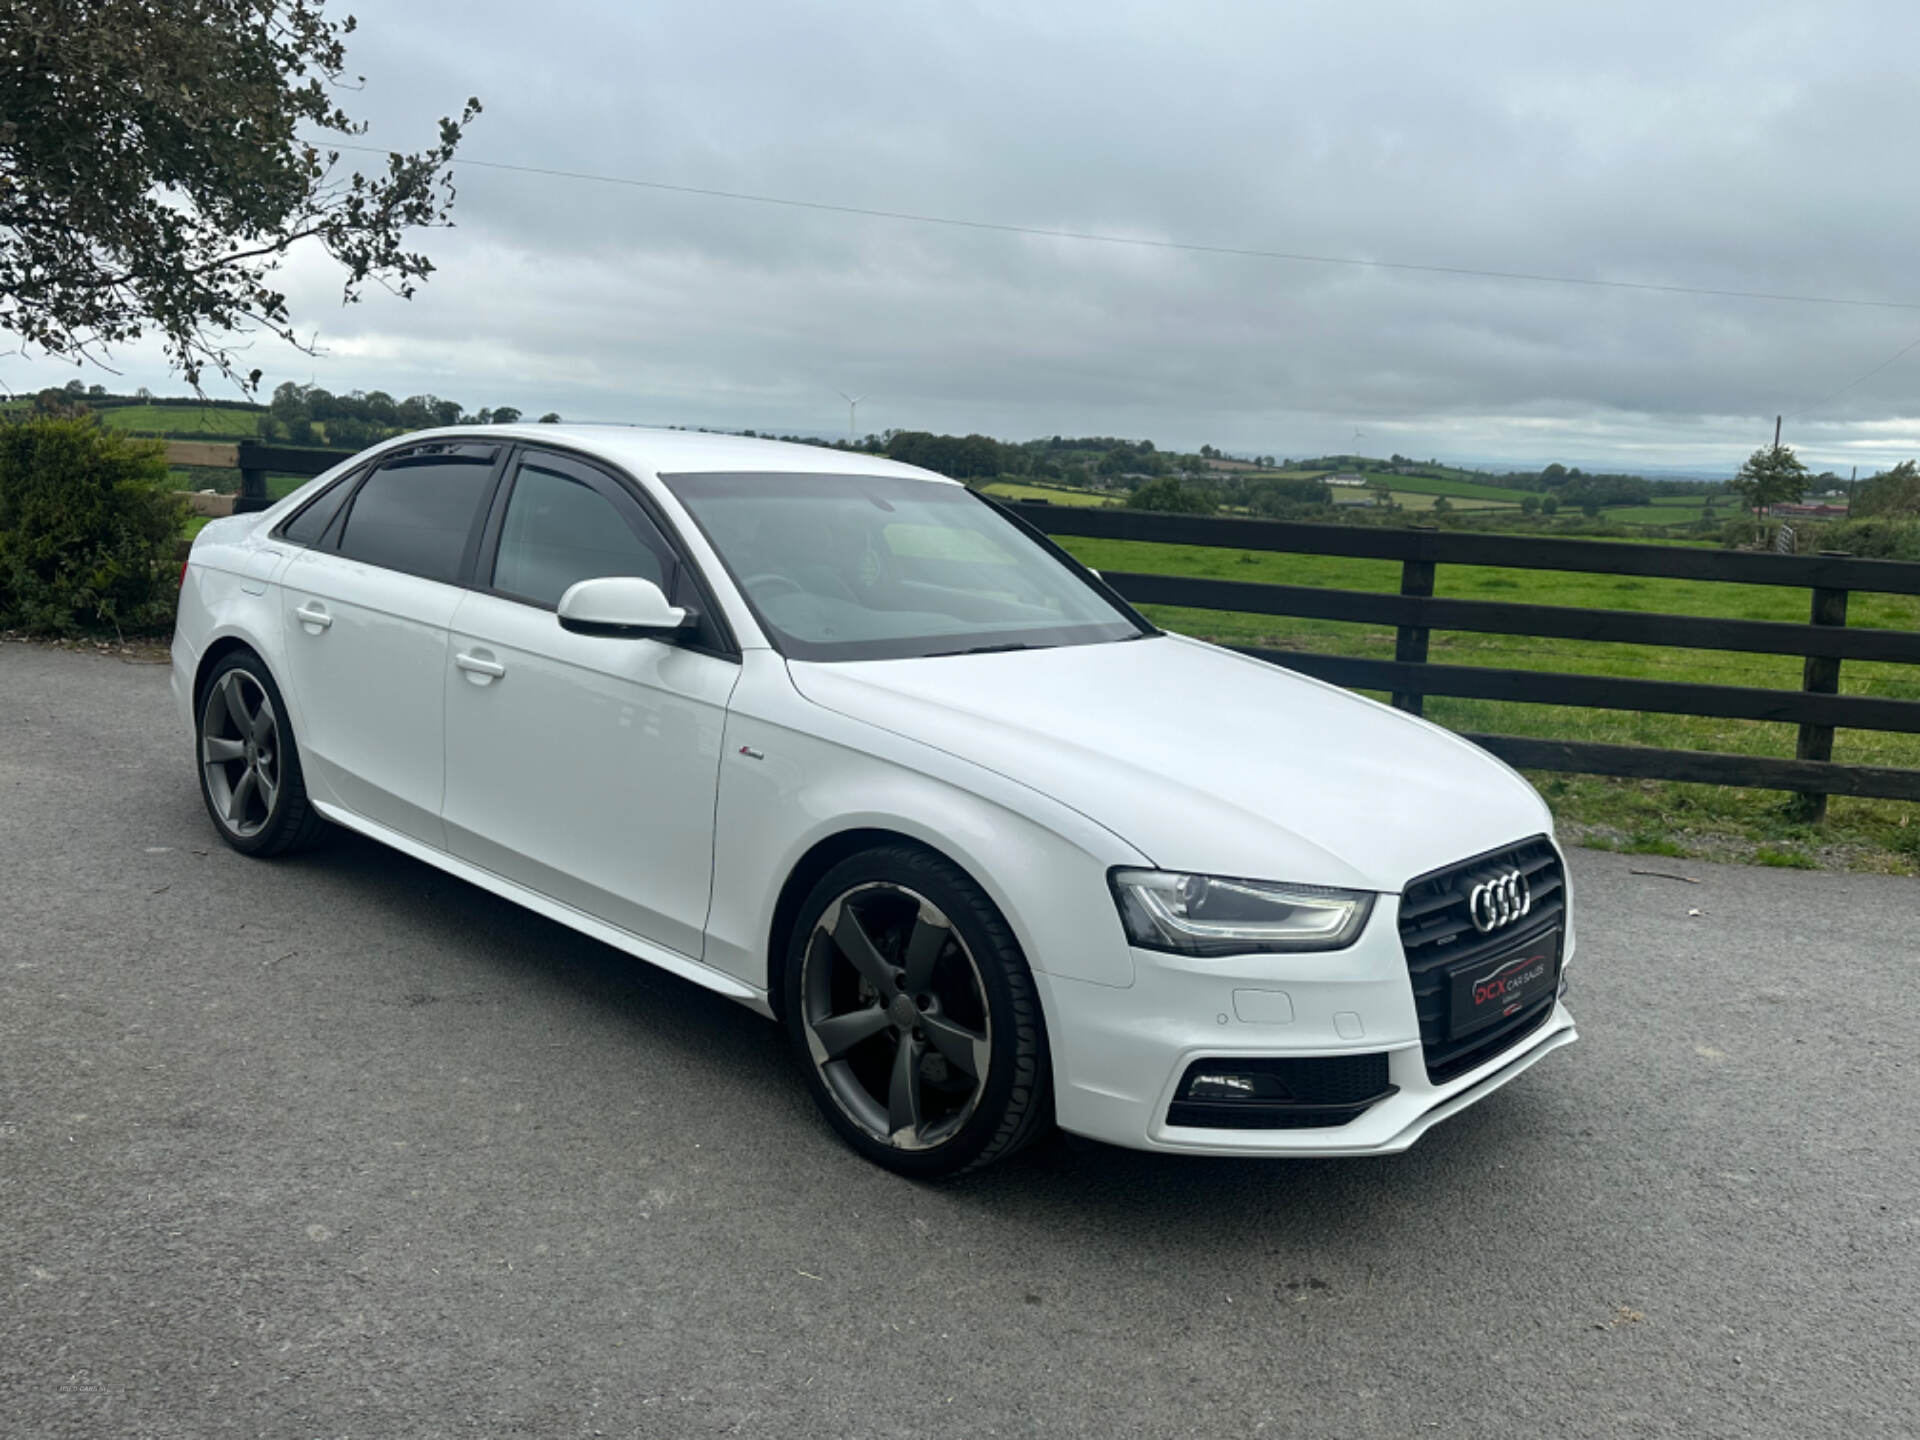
{"points": [[1772, 475], [154, 175], [1530, 505], [965, 457], [506, 415], [1176, 496], [1599, 491], [1893, 492], [1381, 492], [552, 417], [1549, 504], [1441, 505]]}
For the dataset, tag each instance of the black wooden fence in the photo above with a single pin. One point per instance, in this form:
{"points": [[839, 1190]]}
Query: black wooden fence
{"points": [[1824, 642], [1817, 707]]}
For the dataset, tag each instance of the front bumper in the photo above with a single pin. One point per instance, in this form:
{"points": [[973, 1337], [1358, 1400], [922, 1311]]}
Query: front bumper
{"points": [[1119, 1054]]}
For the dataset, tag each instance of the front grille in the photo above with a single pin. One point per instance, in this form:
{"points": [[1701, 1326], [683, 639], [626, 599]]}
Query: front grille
{"points": [[1318, 1092], [1437, 933]]}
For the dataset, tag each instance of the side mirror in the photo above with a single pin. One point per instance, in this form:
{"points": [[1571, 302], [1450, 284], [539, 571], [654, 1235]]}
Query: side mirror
{"points": [[619, 605]]}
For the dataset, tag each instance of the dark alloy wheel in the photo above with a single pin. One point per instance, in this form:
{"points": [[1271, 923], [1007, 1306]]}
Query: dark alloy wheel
{"points": [[249, 768], [913, 1010]]}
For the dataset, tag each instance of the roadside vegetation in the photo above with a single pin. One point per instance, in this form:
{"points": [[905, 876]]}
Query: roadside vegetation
{"points": [[88, 528]]}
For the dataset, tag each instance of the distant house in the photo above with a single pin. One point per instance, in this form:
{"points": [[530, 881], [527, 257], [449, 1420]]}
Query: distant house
{"points": [[1345, 479]]}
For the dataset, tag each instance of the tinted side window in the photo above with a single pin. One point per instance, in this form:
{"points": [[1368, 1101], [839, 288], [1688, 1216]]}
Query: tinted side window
{"points": [[558, 530], [415, 512], [311, 523]]}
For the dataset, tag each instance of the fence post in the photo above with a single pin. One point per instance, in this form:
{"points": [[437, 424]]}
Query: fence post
{"points": [[253, 484], [1410, 641], [1821, 676]]}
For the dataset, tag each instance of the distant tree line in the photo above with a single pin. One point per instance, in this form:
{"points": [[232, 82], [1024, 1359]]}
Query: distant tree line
{"points": [[364, 416]]}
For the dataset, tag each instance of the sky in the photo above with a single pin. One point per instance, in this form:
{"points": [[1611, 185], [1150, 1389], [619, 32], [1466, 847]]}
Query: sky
{"points": [[1751, 146]]}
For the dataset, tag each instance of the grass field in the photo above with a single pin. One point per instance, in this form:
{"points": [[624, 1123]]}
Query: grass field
{"points": [[1685, 819], [1053, 494], [184, 421], [1452, 489], [1657, 514], [1423, 500], [1408, 485]]}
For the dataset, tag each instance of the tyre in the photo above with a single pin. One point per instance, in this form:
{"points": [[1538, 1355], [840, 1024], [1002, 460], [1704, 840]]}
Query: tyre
{"points": [[249, 765], [913, 1015]]}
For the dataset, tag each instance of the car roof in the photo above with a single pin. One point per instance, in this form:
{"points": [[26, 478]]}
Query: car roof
{"points": [[674, 452]]}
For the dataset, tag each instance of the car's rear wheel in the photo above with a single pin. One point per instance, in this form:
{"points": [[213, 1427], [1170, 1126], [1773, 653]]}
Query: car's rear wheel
{"points": [[249, 766], [913, 1013]]}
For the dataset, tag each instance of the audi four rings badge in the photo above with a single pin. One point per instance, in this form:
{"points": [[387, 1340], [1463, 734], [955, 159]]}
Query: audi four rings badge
{"points": [[1497, 903]]}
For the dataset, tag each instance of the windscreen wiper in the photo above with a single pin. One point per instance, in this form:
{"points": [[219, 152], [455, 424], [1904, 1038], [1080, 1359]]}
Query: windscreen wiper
{"points": [[997, 649]]}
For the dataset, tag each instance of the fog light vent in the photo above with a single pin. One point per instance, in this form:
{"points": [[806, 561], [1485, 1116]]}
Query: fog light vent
{"points": [[1224, 1084], [1279, 1093]]}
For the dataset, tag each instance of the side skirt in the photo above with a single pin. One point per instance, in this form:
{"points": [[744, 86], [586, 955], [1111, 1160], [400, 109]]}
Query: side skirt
{"points": [[671, 961]]}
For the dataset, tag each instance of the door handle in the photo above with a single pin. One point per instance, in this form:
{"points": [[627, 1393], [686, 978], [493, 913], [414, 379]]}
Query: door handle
{"points": [[474, 665], [313, 616]]}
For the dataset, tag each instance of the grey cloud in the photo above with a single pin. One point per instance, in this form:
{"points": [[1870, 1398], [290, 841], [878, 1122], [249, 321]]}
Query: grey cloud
{"points": [[1709, 144]]}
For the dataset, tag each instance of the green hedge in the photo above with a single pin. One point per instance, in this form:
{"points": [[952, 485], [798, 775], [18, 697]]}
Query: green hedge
{"points": [[88, 526], [1880, 538]]}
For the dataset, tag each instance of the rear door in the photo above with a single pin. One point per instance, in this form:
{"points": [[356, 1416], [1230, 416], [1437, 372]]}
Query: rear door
{"points": [[366, 611], [584, 766]]}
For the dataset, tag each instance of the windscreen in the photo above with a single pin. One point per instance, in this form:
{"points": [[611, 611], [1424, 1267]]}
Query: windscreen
{"points": [[876, 567]]}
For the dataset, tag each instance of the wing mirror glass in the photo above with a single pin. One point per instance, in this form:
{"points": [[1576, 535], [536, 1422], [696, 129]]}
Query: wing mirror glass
{"points": [[621, 605]]}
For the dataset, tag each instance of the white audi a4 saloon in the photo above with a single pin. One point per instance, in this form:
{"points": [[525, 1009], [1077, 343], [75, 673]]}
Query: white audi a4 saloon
{"points": [[846, 742]]}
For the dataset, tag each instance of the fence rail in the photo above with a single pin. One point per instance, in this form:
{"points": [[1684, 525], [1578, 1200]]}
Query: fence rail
{"points": [[255, 460], [1817, 707]]}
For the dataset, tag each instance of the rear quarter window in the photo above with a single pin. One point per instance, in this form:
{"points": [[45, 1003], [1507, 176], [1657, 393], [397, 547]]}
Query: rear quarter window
{"points": [[416, 511], [311, 520]]}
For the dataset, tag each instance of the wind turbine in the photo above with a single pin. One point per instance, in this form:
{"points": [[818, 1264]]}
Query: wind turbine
{"points": [[853, 410]]}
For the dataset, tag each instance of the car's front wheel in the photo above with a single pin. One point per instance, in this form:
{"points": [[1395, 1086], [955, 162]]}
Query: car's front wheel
{"points": [[913, 1013], [249, 766]]}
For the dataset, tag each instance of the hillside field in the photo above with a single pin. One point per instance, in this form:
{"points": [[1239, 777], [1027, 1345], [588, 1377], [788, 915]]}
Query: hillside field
{"points": [[1052, 494], [183, 421], [1452, 489]]}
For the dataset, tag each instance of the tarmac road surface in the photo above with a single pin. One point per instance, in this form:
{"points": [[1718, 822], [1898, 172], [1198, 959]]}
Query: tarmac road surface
{"points": [[338, 1146]]}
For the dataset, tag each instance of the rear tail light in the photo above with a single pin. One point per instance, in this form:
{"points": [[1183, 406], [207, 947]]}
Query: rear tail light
{"points": [[183, 573]]}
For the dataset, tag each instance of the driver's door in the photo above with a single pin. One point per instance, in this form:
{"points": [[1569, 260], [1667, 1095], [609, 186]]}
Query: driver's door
{"points": [[582, 766]]}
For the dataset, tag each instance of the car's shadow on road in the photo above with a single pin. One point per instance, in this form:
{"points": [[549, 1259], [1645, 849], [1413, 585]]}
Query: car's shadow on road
{"points": [[739, 1064]]}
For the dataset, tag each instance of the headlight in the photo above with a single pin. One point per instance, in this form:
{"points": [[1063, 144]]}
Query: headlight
{"points": [[1209, 915]]}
